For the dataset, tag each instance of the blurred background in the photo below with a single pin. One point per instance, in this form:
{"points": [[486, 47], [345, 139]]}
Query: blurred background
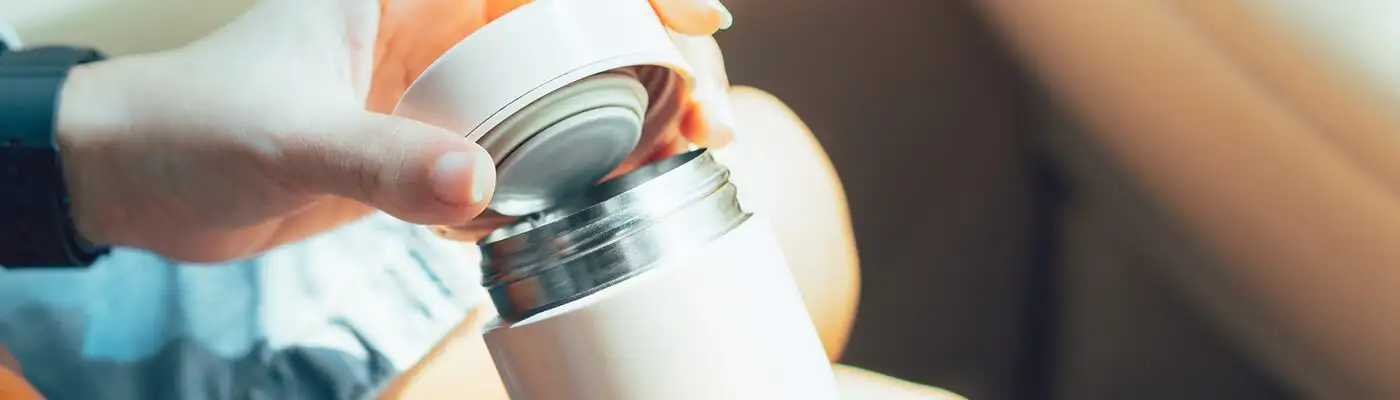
{"points": [[1005, 254]]}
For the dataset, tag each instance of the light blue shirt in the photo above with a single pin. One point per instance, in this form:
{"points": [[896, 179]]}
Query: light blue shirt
{"points": [[333, 317]]}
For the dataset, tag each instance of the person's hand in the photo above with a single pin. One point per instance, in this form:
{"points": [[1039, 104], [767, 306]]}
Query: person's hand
{"points": [[273, 128]]}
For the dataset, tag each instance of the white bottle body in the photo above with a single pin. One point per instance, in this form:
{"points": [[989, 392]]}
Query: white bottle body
{"points": [[725, 321]]}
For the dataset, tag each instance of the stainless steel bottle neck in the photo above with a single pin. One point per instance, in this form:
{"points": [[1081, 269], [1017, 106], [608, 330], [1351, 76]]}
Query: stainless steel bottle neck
{"points": [[609, 234]]}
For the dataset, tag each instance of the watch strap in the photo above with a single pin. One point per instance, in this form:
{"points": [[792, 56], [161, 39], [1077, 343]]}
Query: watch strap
{"points": [[33, 194]]}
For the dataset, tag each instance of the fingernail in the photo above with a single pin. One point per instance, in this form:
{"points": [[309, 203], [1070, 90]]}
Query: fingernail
{"points": [[720, 135], [724, 117], [457, 177], [719, 118], [726, 19], [480, 178]]}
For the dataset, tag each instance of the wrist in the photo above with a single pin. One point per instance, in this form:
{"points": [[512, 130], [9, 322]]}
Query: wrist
{"points": [[89, 119]]}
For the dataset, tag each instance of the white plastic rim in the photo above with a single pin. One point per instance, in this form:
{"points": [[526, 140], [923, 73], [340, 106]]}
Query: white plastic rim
{"points": [[532, 51]]}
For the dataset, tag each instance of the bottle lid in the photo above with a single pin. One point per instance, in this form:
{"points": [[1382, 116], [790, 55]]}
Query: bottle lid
{"points": [[565, 142], [557, 91]]}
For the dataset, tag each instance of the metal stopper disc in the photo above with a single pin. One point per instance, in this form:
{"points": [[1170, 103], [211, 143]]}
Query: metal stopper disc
{"points": [[564, 143]]}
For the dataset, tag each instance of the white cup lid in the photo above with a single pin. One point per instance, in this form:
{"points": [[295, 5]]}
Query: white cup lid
{"points": [[551, 91]]}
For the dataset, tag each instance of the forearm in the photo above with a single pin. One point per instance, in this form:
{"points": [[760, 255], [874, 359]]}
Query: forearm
{"points": [[1307, 233]]}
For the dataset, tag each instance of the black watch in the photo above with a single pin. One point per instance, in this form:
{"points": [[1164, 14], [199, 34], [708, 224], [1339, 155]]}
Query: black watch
{"points": [[35, 227]]}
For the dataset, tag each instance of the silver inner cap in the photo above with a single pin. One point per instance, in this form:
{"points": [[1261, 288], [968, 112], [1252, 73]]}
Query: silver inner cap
{"points": [[565, 142], [609, 234]]}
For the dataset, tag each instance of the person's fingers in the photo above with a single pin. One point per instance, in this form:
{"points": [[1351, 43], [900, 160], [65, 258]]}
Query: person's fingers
{"points": [[406, 46], [497, 8], [694, 17], [414, 171], [476, 229], [711, 95], [323, 215]]}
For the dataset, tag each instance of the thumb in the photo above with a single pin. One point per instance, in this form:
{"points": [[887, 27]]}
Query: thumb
{"points": [[416, 172], [711, 92]]}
